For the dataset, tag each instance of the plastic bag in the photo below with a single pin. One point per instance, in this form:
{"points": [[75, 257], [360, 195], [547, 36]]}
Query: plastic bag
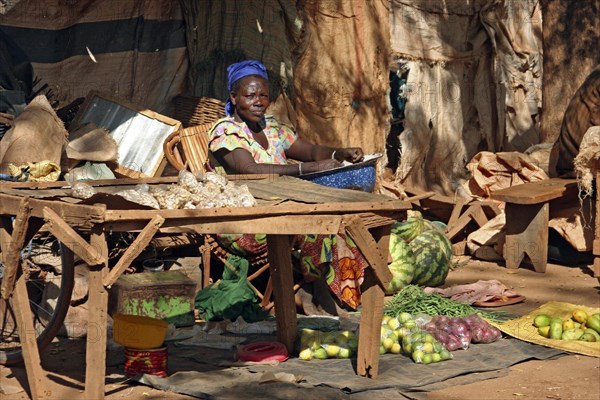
{"points": [[459, 332], [402, 334], [322, 345], [140, 195]]}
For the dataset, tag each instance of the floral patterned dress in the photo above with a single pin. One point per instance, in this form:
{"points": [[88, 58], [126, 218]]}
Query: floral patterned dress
{"points": [[334, 257]]}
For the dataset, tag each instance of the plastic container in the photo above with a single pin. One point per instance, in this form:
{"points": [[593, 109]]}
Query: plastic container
{"points": [[139, 332], [360, 176], [146, 361]]}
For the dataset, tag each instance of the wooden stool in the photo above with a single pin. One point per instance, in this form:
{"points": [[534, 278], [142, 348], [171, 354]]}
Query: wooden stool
{"points": [[527, 215]]}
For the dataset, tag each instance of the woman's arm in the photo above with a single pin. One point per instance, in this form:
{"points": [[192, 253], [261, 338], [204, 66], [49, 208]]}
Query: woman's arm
{"points": [[306, 151], [241, 161]]}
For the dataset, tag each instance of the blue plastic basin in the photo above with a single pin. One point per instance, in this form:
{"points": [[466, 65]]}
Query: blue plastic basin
{"points": [[360, 176]]}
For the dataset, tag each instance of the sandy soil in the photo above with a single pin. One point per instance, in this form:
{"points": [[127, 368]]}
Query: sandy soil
{"points": [[569, 377]]}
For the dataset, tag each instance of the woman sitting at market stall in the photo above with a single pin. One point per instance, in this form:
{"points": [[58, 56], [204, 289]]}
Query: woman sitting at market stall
{"points": [[247, 141]]}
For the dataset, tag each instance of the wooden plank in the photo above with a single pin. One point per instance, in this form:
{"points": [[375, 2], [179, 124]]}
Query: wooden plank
{"points": [[416, 198], [317, 224], [536, 192], [124, 181], [84, 216], [455, 213], [27, 336], [280, 260], [297, 225], [460, 224], [17, 242], [369, 249], [95, 370], [63, 232], [292, 188], [290, 208], [479, 216], [134, 250]]}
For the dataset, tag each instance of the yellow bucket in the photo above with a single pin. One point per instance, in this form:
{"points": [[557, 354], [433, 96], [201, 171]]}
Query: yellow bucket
{"points": [[139, 332]]}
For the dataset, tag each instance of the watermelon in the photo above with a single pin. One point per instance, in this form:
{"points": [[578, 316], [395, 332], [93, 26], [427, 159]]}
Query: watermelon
{"points": [[414, 225], [402, 266], [433, 254]]}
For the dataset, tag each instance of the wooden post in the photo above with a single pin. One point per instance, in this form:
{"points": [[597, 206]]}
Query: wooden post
{"points": [[14, 246], [280, 260], [95, 371], [372, 299], [27, 335], [206, 256]]}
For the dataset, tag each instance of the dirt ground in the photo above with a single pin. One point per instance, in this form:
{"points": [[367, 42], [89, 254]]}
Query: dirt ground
{"points": [[572, 377]]}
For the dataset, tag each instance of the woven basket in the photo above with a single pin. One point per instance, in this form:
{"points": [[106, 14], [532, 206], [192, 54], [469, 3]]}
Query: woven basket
{"points": [[197, 110]]}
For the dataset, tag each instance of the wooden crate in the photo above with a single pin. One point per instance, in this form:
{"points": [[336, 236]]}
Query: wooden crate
{"points": [[166, 295]]}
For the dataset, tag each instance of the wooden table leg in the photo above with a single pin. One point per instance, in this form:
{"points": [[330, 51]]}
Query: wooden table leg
{"points": [[526, 234], [372, 299], [27, 335], [13, 246], [95, 371], [280, 260]]}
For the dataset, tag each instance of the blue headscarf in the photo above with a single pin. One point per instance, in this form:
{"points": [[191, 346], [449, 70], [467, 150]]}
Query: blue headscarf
{"points": [[238, 71]]}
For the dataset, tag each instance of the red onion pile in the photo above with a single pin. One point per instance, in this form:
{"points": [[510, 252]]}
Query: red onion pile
{"points": [[458, 332]]}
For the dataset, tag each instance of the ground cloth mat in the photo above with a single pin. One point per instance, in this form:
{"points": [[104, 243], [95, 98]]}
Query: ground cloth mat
{"points": [[395, 371]]}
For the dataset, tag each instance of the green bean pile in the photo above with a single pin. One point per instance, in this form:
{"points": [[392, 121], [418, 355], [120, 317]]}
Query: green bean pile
{"points": [[412, 299]]}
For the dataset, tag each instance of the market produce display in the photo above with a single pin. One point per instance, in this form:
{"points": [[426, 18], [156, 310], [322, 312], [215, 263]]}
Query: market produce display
{"points": [[401, 334], [580, 326], [322, 345], [413, 299], [421, 253], [524, 328], [459, 332]]}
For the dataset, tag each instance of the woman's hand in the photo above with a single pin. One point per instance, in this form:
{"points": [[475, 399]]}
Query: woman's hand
{"points": [[351, 154]]}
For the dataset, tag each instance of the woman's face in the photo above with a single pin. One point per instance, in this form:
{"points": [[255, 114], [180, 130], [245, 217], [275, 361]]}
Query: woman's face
{"points": [[251, 99]]}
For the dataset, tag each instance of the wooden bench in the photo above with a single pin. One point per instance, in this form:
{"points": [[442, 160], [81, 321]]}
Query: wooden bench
{"points": [[527, 215]]}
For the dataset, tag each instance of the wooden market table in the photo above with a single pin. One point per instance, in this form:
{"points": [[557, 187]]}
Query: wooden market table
{"points": [[286, 207]]}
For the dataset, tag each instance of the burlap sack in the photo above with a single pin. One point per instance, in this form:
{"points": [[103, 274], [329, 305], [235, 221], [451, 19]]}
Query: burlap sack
{"points": [[494, 171], [37, 135]]}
